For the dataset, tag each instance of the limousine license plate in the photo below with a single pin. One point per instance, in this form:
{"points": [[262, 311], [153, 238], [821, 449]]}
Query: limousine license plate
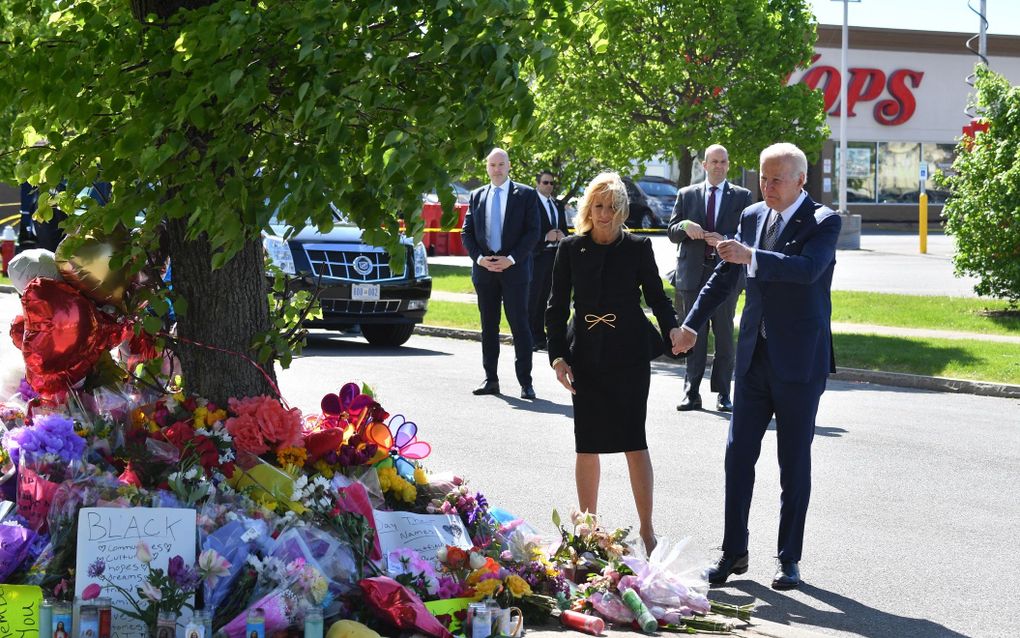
{"points": [[365, 292]]}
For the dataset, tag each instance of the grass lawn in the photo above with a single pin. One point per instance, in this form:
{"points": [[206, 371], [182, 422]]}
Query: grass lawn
{"points": [[961, 359], [882, 309], [958, 359], [4, 281]]}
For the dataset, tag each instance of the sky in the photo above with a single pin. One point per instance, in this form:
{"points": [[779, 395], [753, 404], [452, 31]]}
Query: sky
{"points": [[922, 15]]}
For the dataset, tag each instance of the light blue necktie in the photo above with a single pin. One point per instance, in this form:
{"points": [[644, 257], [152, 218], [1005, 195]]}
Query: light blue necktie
{"points": [[496, 222]]}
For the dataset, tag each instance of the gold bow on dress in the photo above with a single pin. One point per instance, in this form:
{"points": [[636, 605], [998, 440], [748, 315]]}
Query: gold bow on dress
{"points": [[594, 320]]}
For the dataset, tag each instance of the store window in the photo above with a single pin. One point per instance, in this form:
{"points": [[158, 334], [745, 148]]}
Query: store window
{"points": [[899, 177], [860, 173], [940, 158]]}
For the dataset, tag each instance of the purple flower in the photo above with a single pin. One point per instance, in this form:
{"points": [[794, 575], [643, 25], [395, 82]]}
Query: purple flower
{"points": [[184, 577], [26, 390], [97, 568], [48, 434]]}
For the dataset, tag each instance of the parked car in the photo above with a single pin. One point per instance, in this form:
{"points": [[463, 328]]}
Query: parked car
{"points": [[461, 192], [663, 191], [642, 215], [357, 285]]}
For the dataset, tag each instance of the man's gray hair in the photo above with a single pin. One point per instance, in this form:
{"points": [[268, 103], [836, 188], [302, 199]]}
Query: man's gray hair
{"points": [[788, 152]]}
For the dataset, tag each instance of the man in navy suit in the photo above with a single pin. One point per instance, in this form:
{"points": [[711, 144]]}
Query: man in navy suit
{"points": [[704, 215], [787, 246], [553, 229], [500, 231]]}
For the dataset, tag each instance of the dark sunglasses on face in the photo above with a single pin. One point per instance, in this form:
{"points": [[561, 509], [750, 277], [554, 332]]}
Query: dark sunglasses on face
{"points": [[547, 183]]}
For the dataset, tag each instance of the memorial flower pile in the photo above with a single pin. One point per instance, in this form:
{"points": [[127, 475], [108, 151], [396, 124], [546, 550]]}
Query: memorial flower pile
{"points": [[287, 512]]}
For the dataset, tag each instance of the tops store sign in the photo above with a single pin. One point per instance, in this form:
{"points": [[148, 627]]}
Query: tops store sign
{"points": [[867, 85], [899, 96]]}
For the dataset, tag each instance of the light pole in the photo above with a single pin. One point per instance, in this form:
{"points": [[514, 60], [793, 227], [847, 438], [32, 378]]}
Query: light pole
{"points": [[843, 80]]}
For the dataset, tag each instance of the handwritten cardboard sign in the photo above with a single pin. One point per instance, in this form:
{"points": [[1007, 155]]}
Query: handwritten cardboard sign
{"points": [[424, 533], [19, 611], [113, 534]]}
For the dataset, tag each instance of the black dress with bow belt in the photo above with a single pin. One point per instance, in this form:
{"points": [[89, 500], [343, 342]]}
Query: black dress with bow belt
{"points": [[607, 340]]}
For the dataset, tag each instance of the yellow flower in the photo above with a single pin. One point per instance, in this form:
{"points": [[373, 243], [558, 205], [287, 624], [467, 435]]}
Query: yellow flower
{"points": [[292, 456], [518, 586], [200, 414], [323, 468], [215, 417], [410, 493], [488, 587], [420, 477]]}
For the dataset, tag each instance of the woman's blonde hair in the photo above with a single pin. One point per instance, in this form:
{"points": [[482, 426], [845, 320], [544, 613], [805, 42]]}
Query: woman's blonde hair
{"points": [[603, 183]]}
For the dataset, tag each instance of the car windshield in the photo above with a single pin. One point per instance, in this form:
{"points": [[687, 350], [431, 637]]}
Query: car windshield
{"points": [[338, 217], [659, 189]]}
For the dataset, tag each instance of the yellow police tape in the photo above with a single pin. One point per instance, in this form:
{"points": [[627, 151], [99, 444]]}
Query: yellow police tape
{"points": [[633, 230], [7, 220]]}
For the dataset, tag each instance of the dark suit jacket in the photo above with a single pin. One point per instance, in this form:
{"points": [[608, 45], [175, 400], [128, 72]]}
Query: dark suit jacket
{"points": [[546, 225], [690, 204], [520, 232], [790, 290], [582, 280]]}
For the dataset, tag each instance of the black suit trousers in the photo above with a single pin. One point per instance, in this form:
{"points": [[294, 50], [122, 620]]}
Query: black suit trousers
{"points": [[721, 324], [494, 295], [538, 294]]}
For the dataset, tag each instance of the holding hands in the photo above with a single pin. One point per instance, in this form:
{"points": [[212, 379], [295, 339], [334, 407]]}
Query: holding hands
{"points": [[683, 340]]}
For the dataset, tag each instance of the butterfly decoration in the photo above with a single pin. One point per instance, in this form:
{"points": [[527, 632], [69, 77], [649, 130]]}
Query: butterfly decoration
{"points": [[402, 445]]}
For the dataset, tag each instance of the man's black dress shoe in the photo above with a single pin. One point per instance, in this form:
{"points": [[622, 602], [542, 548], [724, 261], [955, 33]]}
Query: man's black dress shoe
{"points": [[487, 387], [787, 576], [728, 564], [528, 392], [690, 403], [723, 404]]}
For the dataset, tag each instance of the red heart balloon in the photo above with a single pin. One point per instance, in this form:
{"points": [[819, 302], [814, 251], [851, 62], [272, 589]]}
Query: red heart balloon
{"points": [[64, 334]]}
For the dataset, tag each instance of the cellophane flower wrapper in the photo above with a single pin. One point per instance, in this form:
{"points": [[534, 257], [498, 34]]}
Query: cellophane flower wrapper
{"points": [[670, 579], [15, 542], [398, 607], [611, 607], [234, 542], [353, 496], [321, 550], [280, 606]]}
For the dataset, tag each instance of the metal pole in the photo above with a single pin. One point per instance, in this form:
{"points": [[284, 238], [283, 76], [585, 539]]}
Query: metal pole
{"points": [[983, 38], [842, 114]]}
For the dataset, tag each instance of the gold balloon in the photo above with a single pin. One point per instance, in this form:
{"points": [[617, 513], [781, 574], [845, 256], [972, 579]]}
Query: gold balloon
{"points": [[88, 269]]}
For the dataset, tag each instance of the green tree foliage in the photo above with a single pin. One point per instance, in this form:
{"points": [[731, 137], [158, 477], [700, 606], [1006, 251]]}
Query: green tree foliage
{"points": [[642, 77], [209, 116], [983, 210]]}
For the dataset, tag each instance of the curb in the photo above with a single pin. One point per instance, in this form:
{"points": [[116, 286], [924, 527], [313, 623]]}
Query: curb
{"points": [[895, 379]]}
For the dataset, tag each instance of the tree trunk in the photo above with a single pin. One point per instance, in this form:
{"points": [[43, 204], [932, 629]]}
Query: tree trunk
{"points": [[226, 308], [686, 167]]}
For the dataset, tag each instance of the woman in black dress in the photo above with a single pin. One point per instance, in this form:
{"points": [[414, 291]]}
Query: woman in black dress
{"points": [[603, 356]]}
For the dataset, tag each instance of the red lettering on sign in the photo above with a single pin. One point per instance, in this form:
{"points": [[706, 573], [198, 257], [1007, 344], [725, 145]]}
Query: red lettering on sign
{"points": [[866, 85], [902, 105]]}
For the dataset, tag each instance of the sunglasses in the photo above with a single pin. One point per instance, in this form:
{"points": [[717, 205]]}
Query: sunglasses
{"points": [[547, 183]]}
